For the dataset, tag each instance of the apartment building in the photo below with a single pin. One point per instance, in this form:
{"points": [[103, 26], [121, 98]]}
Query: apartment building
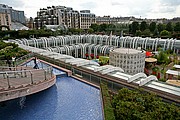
{"points": [[8, 16], [5, 17], [86, 19], [66, 16], [113, 20], [16, 15]]}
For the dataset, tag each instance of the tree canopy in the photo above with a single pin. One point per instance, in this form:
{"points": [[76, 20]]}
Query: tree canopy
{"points": [[137, 105]]}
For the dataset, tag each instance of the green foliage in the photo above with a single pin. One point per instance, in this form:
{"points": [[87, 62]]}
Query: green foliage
{"points": [[152, 26], [135, 105], [161, 27], [156, 32], [163, 58], [165, 33], [169, 27], [25, 34], [95, 27], [108, 109], [155, 69], [90, 30], [134, 27], [138, 33], [103, 27], [103, 60], [146, 32], [75, 31], [8, 50], [143, 26], [177, 27]]}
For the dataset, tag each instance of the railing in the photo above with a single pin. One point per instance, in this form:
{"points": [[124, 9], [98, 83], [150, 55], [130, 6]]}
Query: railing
{"points": [[20, 76], [18, 60]]}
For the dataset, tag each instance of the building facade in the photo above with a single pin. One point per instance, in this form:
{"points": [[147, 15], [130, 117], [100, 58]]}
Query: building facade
{"points": [[9, 15], [17, 16], [5, 16], [46, 16], [86, 19], [61, 15], [113, 20]]}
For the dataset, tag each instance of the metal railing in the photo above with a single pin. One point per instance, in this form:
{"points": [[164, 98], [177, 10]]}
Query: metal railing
{"points": [[17, 61], [22, 77]]}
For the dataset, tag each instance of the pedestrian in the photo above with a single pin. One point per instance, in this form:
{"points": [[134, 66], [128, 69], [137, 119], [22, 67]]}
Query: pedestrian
{"points": [[36, 63], [13, 61]]}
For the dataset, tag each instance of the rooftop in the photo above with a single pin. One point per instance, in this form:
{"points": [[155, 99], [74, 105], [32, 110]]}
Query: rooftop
{"points": [[126, 51]]}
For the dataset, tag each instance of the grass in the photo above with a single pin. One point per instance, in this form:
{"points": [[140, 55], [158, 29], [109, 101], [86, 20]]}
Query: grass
{"points": [[108, 109]]}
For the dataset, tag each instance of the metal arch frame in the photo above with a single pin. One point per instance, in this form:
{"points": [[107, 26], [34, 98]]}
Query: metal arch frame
{"points": [[102, 68], [112, 69], [146, 42], [136, 76], [148, 79], [87, 62], [62, 56], [73, 60], [101, 39]]}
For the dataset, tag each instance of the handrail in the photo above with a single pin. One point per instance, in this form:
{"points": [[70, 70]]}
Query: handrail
{"points": [[23, 73], [8, 80], [31, 77]]}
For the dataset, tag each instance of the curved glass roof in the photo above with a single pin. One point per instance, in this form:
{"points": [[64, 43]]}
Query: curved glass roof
{"points": [[150, 81]]}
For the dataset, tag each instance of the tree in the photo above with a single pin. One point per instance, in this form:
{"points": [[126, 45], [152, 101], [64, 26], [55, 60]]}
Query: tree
{"points": [[177, 27], [102, 27], [156, 32], [95, 27], [130, 28], [165, 33], [143, 26], [152, 26], [138, 33], [138, 105], [169, 27], [134, 27], [161, 27], [146, 32], [90, 30], [162, 58], [111, 27]]}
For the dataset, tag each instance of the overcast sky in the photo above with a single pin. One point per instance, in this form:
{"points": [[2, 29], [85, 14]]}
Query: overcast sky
{"points": [[114, 8]]}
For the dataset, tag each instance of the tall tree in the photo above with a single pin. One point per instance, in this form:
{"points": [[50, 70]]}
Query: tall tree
{"points": [[111, 27], [146, 32], [169, 27], [152, 26], [177, 27], [134, 27], [95, 27], [165, 33], [130, 28], [143, 25], [103, 27], [161, 27]]}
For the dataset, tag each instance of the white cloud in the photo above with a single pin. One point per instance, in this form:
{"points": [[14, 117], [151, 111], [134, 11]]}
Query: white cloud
{"points": [[137, 8]]}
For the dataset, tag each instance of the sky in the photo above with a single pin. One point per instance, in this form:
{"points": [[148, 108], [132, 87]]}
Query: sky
{"points": [[150, 9]]}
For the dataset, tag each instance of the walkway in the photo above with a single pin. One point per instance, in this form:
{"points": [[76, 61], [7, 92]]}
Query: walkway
{"points": [[15, 79]]}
